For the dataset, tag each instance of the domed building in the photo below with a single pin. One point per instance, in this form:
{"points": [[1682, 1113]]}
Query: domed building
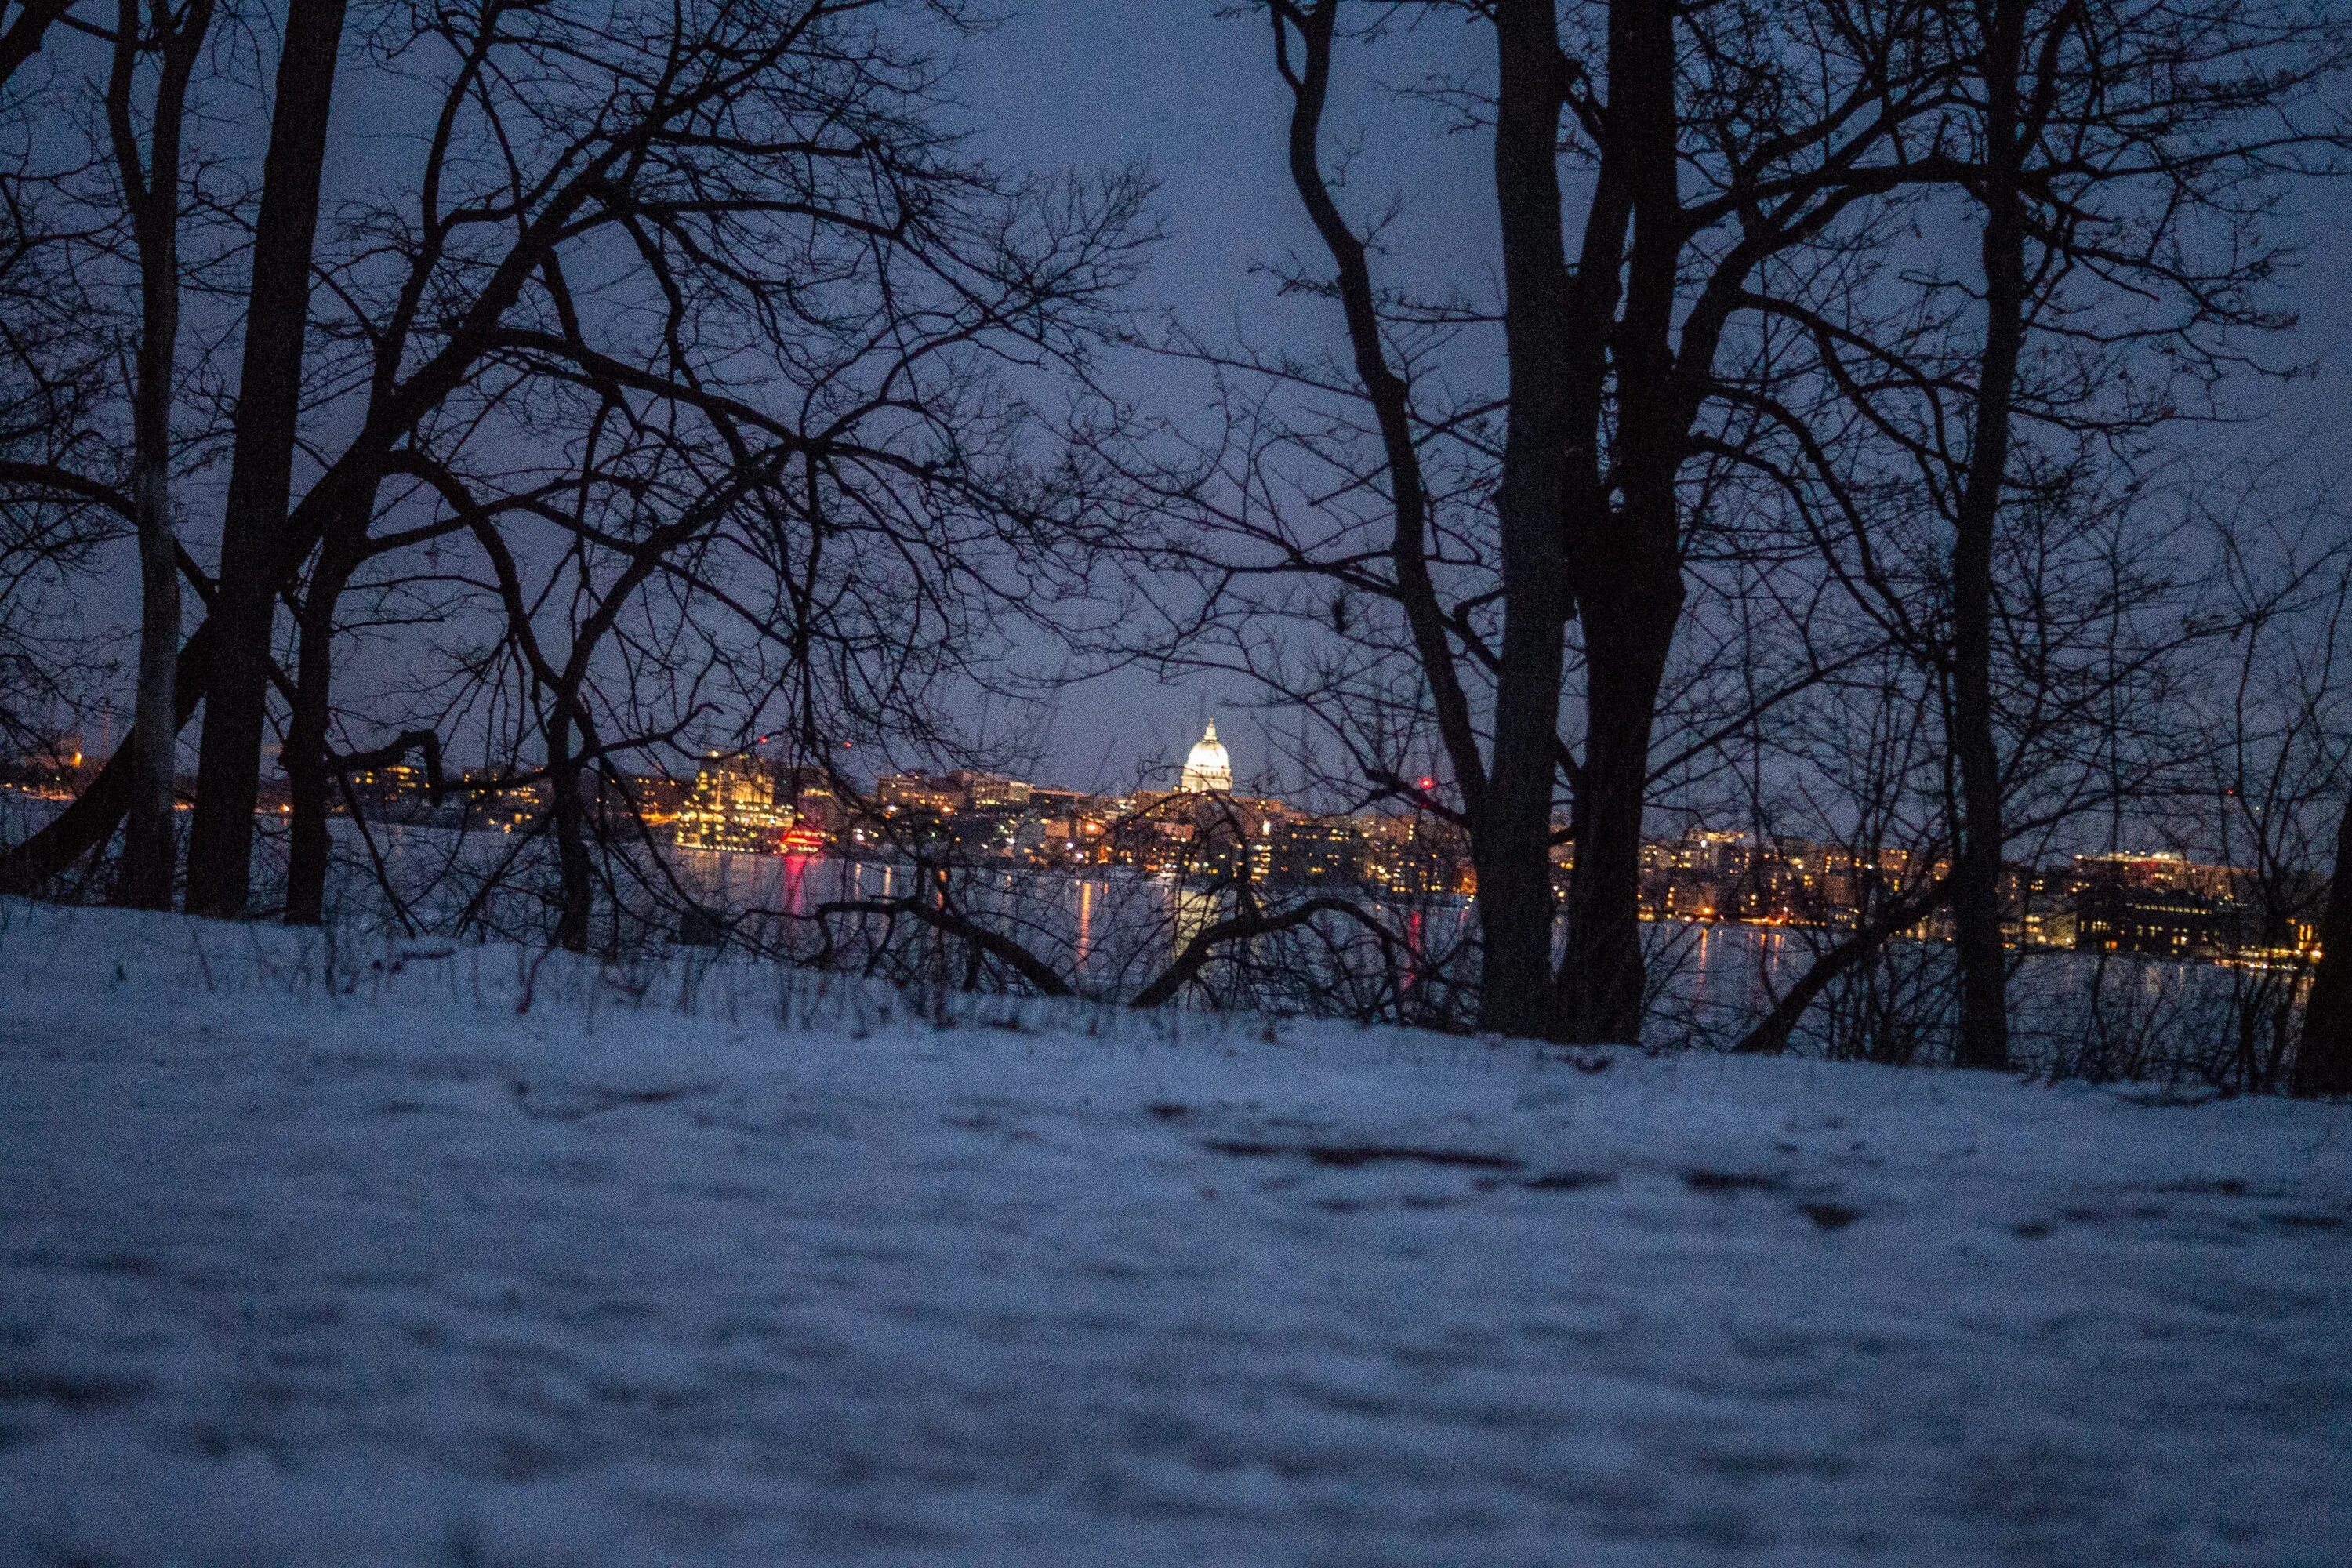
{"points": [[1208, 770]]}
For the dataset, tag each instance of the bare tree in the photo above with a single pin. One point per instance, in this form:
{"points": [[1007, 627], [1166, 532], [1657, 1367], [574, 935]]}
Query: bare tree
{"points": [[1723, 147], [148, 170], [793, 480], [766, 206], [2112, 150], [261, 467]]}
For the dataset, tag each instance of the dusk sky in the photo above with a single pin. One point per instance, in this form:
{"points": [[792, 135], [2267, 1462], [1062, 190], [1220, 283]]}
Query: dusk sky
{"points": [[1193, 94]]}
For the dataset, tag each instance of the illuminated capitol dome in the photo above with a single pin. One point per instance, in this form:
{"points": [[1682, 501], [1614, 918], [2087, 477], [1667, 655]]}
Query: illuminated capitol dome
{"points": [[1208, 769]]}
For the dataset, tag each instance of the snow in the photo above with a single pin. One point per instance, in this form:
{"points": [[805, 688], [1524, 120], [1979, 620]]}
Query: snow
{"points": [[318, 1257]]}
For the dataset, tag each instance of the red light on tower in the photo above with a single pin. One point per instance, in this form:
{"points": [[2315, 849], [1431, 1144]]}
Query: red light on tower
{"points": [[1428, 783]]}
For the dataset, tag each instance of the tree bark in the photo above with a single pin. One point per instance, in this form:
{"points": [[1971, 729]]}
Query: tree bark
{"points": [[150, 193], [151, 837], [305, 758], [1975, 874], [2323, 1061], [576, 872], [1626, 561], [261, 466], [1602, 974], [1511, 826]]}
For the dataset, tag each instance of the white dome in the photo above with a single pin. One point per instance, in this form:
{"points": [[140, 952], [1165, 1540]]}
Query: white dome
{"points": [[1207, 768]]}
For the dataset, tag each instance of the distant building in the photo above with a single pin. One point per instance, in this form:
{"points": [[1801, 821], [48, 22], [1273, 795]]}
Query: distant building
{"points": [[1319, 852], [653, 799], [1696, 877], [1208, 771], [1415, 856], [732, 805], [490, 799], [2161, 871], [396, 791], [990, 792], [917, 792], [2169, 922], [807, 793], [2159, 903]]}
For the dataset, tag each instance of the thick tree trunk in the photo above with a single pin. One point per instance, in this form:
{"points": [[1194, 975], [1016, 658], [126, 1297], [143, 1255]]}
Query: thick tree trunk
{"points": [[1626, 561], [2323, 1062], [262, 467], [1511, 829], [100, 809], [1976, 873], [575, 873], [310, 849], [1602, 976]]}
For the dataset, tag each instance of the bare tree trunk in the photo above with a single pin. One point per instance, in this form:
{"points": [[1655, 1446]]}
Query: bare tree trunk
{"points": [[262, 469], [1511, 829], [1602, 974], [150, 839], [150, 193], [1976, 875], [2323, 1062], [305, 756], [1626, 562], [575, 885], [86, 824]]}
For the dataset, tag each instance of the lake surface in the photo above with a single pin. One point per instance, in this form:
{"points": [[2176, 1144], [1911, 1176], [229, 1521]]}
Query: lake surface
{"points": [[1110, 930]]}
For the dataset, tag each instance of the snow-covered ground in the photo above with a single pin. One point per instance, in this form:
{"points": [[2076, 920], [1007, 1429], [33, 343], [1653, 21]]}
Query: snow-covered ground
{"points": [[321, 1259]]}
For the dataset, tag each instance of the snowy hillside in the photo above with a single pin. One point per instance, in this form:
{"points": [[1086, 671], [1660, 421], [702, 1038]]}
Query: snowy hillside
{"points": [[313, 1261]]}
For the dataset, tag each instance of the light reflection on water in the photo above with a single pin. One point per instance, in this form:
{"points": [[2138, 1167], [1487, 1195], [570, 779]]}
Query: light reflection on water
{"points": [[1112, 926]]}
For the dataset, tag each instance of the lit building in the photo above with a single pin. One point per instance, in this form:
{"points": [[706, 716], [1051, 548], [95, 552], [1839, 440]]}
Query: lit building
{"points": [[732, 805], [1415, 856], [2171, 922], [396, 791], [1324, 853], [653, 799], [917, 792], [2163, 871], [1208, 771], [991, 792], [494, 800], [2162, 903], [810, 800]]}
